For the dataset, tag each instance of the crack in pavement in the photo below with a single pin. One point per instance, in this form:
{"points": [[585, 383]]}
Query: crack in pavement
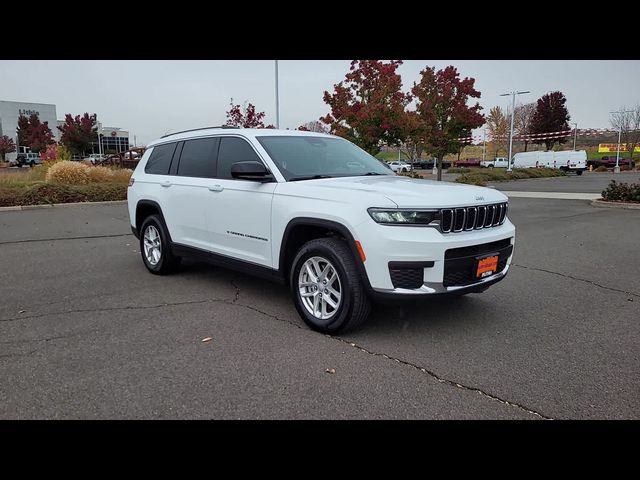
{"points": [[47, 339], [109, 309], [577, 278], [67, 238], [12, 355]]}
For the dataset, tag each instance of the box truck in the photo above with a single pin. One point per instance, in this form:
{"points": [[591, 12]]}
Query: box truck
{"points": [[568, 160]]}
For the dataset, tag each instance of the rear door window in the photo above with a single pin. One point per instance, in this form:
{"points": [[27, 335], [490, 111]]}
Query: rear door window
{"points": [[198, 158]]}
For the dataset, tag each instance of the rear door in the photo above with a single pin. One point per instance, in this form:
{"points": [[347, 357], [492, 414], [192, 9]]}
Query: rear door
{"points": [[241, 220], [188, 199]]}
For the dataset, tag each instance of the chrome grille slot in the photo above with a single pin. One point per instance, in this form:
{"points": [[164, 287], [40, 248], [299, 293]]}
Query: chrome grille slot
{"points": [[472, 218]]}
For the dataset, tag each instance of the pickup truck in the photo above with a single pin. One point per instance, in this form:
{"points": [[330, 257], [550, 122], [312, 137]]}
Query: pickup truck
{"points": [[428, 164], [609, 162], [499, 162], [469, 162]]}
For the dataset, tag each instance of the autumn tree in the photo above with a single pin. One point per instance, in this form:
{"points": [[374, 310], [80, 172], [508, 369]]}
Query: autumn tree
{"points": [[245, 117], [368, 106], [523, 121], [314, 126], [78, 132], [441, 103], [6, 146], [413, 133], [551, 115], [627, 120], [33, 133], [499, 126]]}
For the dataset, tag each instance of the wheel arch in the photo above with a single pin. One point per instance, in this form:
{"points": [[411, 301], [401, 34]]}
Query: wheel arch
{"points": [[146, 208], [300, 230]]}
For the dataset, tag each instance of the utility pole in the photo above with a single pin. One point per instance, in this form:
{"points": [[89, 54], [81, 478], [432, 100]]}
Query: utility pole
{"points": [[277, 99], [513, 114], [575, 135], [616, 169], [484, 142]]}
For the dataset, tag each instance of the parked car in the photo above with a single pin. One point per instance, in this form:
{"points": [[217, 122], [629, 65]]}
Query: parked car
{"points": [[400, 166], [96, 158], [567, 160], [428, 164], [31, 159], [469, 162], [319, 214], [609, 162], [499, 162]]}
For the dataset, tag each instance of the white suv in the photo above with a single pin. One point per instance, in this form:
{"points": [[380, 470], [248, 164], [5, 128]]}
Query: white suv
{"points": [[400, 166], [316, 212]]}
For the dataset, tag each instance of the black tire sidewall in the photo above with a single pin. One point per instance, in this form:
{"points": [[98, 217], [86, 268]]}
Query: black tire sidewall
{"points": [[341, 317], [165, 250]]}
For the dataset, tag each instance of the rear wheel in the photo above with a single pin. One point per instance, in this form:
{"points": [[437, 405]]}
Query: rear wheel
{"points": [[326, 287], [156, 248], [404, 170], [578, 172]]}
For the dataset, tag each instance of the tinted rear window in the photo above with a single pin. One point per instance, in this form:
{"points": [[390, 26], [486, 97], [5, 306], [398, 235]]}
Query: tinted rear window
{"points": [[198, 158], [160, 159], [234, 149]]}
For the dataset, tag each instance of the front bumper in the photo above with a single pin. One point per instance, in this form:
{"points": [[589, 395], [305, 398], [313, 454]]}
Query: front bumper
{"points": [[384, 245]]}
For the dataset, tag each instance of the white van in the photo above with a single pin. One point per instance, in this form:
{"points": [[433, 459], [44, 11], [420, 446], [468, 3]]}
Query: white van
{"points": [[568, 160]]}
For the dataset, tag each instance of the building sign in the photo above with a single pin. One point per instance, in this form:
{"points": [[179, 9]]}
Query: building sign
{"points": [[613, 147], [26, 113]]}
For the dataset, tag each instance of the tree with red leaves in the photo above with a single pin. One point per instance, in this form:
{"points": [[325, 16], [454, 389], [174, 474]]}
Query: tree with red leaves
{"points": [[368, 107], [6, 146], [313, 126], [551, 116], [78, 132], [441, 104], [246, 117], [33, 133]]}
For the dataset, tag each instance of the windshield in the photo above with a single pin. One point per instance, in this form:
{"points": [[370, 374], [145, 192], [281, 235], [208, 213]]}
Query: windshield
{"points": [[306, 157]]}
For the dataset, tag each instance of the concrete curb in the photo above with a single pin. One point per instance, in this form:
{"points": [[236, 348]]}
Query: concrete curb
{"points": [[57, 205], [628, 206]]}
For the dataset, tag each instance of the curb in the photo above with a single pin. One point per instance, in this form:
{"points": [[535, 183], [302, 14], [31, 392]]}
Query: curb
{"points": [[628, 206], [57, 205]]}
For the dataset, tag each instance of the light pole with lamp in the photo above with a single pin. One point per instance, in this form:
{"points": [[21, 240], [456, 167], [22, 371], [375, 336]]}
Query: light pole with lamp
{"points": [[484, 142], [575, 135], [277, 99], [513, 114], [616, 169]]}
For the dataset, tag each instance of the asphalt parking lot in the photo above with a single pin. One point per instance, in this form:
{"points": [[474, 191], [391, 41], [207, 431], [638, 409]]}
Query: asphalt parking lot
{"points": [[86, 332]]}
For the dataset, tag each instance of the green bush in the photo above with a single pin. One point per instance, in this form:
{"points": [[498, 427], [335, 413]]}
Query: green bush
{"points": [[47, 193], [601, 168], [481, 177], [472, 179], [622, 192]]}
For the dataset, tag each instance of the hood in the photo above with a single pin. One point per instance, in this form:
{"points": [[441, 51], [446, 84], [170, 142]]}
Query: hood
{"points": [[408, 192]]}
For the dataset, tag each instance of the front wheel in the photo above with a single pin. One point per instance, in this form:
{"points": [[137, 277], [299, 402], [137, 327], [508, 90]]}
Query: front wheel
{"points": [[404, 170], [578, 172], [326, 286], [490, 166]]}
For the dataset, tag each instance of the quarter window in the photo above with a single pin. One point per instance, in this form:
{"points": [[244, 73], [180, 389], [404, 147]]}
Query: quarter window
{"points": [[232, 150], [160, 159], [198, 158]]}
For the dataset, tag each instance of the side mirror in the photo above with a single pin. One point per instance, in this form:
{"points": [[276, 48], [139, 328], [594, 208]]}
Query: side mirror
{"points": [[252, 170]]}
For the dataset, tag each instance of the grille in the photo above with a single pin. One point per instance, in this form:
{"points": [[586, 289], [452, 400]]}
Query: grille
{"points": [[460, 263], [472, 218], [406, 277]]}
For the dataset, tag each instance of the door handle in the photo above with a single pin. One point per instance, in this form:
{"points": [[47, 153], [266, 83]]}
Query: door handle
{"points": [[166, 183], [216, 188]]}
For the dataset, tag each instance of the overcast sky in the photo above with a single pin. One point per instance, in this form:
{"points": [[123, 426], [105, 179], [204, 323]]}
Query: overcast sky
{"points": [[149, 98]]}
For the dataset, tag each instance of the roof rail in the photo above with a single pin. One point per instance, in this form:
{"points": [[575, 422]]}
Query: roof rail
{"points": [[196, 129]]}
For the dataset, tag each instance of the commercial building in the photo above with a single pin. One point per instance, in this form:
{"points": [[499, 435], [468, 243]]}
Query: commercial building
{"points": [[113, 139]]}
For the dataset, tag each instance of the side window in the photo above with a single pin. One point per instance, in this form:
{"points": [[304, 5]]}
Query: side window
{"points": [[232, 150], [160, 159], [198, 158]]}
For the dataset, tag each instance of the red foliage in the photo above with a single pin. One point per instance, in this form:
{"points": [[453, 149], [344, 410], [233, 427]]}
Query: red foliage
{"points": [[367, 107], [50, 154], [442, 109], [33, 133], [6, 146], [248, 118], [551, 115], [78, 132]]}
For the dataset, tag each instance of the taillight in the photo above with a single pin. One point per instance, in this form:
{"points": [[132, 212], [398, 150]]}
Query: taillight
{"points": [[131, 180]]}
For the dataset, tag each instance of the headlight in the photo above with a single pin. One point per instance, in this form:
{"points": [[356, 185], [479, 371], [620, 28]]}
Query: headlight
{"points": [[403, 217]]}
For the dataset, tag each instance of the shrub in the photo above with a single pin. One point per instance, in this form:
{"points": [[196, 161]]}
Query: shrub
{"points": [[472, 179], [44, 193], [481, 177], [55, 153], [458, 170], [70, 173], [121, 175], [100, 174], [601, 168], [622, 192]]}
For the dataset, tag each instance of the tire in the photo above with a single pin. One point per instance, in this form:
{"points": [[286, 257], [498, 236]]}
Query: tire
{"points": [[578, 172], [353, 305], [491, 166], [153, 227], [404, 170]]}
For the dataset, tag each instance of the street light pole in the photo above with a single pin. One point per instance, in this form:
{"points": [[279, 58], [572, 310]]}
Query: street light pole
{"points": [[277, 99], [484, 142], [513, 114], [616, 169], [575, 135]]}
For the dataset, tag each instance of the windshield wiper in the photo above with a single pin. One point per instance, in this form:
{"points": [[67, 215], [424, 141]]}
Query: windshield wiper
{"points": [[371, 173], [309, 177]]}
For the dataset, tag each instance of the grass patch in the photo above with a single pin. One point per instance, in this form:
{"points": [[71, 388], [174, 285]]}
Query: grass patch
{"points": [[498, 175]]}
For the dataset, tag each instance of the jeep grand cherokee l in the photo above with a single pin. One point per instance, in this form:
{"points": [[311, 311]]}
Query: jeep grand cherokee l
{"points": [[319, 214]]}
